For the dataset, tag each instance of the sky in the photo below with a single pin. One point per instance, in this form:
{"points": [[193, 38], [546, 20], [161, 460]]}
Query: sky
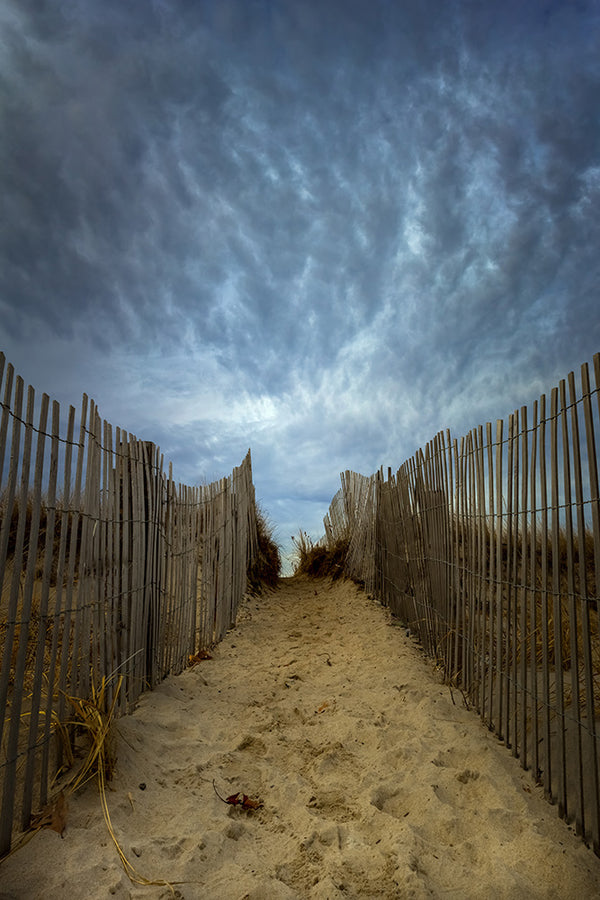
{"points": [[324, 230]]}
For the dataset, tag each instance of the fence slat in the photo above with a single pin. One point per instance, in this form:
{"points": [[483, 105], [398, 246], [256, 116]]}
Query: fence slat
{"points": [[33, 741], [590, 733], [14, 619], [481, 577], [545, 621], [499, 580], [491, 592], [9, 500], [58, 630], [510, 636], [533, 618], [523, 687], [572, 722], [74, 500], [557, 608], [25, 612], [6, 410]]}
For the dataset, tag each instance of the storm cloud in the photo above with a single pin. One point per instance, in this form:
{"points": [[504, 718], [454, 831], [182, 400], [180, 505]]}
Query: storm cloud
{"points": [[321, 230]]}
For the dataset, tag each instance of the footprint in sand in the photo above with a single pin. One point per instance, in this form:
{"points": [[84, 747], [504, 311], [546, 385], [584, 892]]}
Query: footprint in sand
{"points": [[382, 795], [331, 805], [253, 744], [449, 758], [235, 830], [467, 775], [332, 759]]}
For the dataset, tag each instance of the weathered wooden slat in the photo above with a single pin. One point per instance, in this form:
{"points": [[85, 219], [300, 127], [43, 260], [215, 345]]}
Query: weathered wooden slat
{"points": [[60, 636], [572, 719], [491, 591], [68, 662], [452, 554], [471, 596], [590, 733], [576, 616], [25, 611], [509, 587], [14, 619], [177, 571], [499, 607], [148, 554], [156, 568], [6, 414], [167, 572], [482, 574], [557, 608], [162, 563], [523, 686], [94, 624], [453, 663], [123, 568], [85, 595], [35, 741], [533, 594], [108, 517], [9, 506], [462, 605], [139, 647], [188, 580], [442, 542], [544, 591]]}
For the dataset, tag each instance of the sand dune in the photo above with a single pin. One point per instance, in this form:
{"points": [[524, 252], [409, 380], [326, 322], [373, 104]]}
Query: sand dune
{"points": [[373, 783]]}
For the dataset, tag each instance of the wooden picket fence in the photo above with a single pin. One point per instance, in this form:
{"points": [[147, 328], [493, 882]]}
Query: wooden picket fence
{"points": [[488, 549], [107, 568]]}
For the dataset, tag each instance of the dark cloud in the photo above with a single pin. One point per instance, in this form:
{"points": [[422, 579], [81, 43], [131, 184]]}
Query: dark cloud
{"points": [[325, 230], [91, 159]]}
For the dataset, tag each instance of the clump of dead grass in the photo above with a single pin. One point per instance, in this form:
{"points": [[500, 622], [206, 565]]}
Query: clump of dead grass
{"points": [[93, 718], [320, 560], [265, 568]]}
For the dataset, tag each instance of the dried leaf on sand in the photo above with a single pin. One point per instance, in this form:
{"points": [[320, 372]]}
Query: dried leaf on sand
{"points": [[195, 658], [239, 799]]}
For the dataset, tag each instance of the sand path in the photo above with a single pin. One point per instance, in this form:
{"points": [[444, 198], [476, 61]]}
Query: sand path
{"points": [[374, 784]]}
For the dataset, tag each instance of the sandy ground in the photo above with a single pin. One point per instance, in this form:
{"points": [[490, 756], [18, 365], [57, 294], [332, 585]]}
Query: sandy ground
{"points": [[374, 783]]}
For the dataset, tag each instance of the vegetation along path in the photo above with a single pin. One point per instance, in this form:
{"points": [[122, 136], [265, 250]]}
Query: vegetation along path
{"points": [[369, 780]]}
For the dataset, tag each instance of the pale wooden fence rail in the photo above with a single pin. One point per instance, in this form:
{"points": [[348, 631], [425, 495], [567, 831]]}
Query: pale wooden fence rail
{"points": [[107, 568], [488, 549]]}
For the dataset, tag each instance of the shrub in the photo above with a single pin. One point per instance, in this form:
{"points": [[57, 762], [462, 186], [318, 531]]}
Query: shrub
{"points": [[265, 568], [320, 560]]}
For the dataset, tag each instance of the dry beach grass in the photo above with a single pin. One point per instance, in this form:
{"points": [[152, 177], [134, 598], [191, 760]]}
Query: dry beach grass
{"points": [[373, 783]]}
